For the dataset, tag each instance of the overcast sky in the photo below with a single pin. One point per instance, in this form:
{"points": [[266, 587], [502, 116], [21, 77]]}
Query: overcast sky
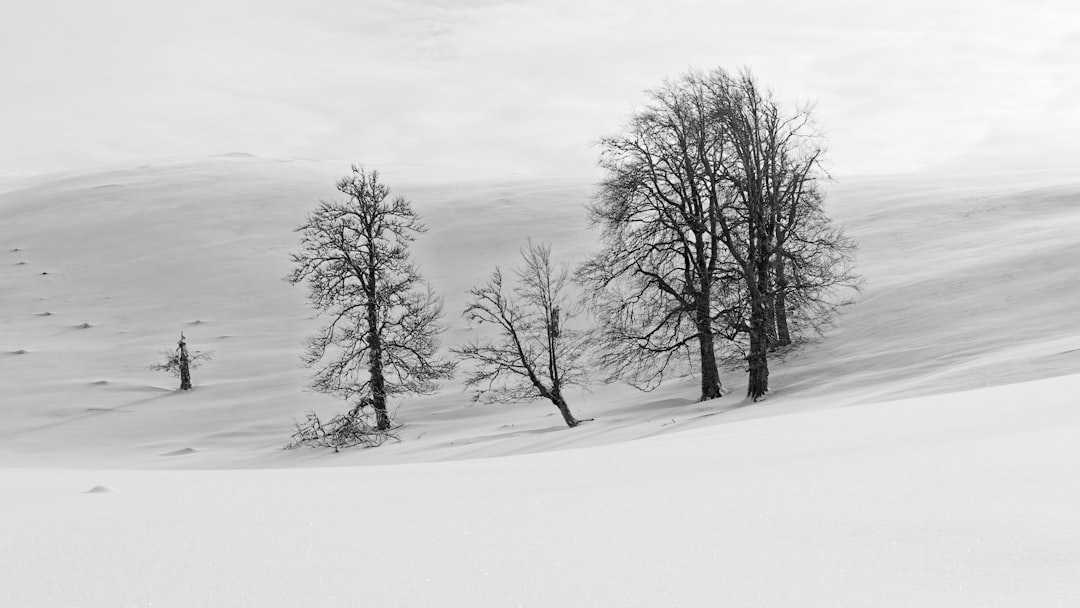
{"points": [[496, 87]]}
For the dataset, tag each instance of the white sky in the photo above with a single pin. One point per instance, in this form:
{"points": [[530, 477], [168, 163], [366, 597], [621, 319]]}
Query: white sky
{"points": [[490, 87]]}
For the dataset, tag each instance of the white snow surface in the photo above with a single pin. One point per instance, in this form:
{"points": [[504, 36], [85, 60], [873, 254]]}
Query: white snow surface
{"points": [[925, 452]]}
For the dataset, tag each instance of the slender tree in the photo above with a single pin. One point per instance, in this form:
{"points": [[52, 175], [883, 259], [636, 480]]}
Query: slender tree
{"points": [[385, 322], [812, 265], [184, 363], [537, 353], [180, 362]]}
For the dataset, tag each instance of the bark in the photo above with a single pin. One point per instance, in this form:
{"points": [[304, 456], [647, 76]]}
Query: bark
{"points": [[185, 367], [771, 320], [564, 409], [378, 382], [758, 358], [783, 332], [710, 376]]}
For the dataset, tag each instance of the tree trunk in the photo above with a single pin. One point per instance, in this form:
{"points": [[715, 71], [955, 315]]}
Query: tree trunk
{"points": [[564, 409], [771, 318], [758, 358], [760, 296], [783, 332], [185, 366], [378, 382], [710, 376]]}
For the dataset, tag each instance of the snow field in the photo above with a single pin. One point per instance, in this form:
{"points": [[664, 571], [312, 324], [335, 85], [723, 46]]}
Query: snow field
{"points": [[925, 453]]}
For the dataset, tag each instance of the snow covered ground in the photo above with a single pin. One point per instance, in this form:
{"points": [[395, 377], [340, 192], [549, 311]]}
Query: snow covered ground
{"points": [[927, 452]]}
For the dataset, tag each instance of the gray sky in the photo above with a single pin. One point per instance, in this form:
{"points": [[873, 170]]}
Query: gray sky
{"points": [[494, 87]]}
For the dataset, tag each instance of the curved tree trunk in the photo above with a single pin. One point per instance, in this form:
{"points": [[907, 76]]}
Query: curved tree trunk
{"points": [[564, 409]]}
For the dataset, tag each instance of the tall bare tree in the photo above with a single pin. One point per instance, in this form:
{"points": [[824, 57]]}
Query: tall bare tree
{"points": [[773, 227], [537, 352], [812, 267], [713, 232], [385, 322], [655, 284]]}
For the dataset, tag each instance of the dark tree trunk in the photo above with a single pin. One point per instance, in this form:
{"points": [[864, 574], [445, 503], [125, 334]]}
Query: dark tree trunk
{"points": [[783, 332], [378, 382], [759, 334], [758, 359], [185, 366], [760, 297], [564, 409], [710, 376]]}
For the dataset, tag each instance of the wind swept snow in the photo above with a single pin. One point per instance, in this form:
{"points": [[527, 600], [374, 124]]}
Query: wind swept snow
{"points": [[926, 452]]}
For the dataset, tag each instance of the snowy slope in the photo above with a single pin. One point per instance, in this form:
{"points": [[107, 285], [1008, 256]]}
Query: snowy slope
{"points": [[966, 499], [864, 479]]}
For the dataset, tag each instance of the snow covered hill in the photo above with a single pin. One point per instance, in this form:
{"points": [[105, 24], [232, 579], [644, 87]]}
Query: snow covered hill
{"points": [[866, 478]]}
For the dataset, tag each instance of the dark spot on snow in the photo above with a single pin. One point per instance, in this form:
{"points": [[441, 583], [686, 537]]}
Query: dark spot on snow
{"points": [[196, 322], [83, 326], [181, 452], [100, 383], [21, 351], [100, 490], [20, 263], [44, 314], [44, 273]]}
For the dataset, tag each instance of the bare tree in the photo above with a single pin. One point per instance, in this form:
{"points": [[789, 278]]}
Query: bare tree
{"points": [[655, 285], [713, 231], [179, 363], [350, 429], [773, 227], [385, 322], [536, 353], [811, 268]]}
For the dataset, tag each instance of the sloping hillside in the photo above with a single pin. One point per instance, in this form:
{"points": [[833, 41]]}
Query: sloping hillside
{"points": [[940, 499], [966, 285]]}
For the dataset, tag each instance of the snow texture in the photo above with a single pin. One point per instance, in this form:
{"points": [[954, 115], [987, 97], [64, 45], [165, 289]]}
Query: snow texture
{"points": [[926, 452]]}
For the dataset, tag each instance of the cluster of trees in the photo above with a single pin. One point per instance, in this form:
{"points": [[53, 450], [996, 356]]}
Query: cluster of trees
{"points": [[715, 249], [715, 243]]}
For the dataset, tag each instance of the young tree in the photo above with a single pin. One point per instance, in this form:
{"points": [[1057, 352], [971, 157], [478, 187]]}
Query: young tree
{"points": [[179, 362], [536, 354], [385, 322]]}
